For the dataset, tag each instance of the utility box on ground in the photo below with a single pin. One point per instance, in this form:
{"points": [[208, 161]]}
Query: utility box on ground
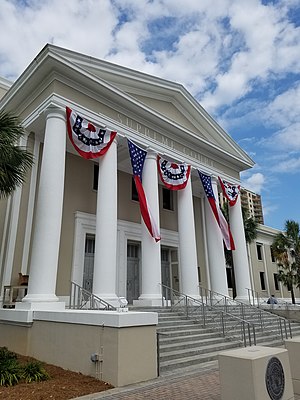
{"points": [[255, 373], [293, 348]]}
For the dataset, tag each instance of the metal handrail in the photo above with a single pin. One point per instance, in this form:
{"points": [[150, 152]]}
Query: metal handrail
{"points": [[198, 309], [81, 298], [247, 311]]}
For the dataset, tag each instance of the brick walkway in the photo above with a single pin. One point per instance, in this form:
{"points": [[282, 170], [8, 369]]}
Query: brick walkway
{"points": [[204, 385]]}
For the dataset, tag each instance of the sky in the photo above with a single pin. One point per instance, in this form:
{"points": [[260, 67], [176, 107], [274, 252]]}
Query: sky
{"points": [[239, 58]]}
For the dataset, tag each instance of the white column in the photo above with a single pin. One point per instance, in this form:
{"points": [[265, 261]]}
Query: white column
{"points": [[187, 242], [151, 259], [13, 208], [216, 257], [30, 206], [240, 258], [105, 262], [46, 239]]}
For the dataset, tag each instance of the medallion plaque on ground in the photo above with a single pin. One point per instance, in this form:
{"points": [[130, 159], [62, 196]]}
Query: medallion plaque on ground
{"points": [[275, 380]]}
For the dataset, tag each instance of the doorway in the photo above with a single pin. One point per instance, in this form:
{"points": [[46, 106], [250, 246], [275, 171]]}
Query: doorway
{"points": [[88, 268], [133, 272], [169, 267]]}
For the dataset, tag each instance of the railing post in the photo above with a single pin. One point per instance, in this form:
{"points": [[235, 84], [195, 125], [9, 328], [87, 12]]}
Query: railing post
{"points": [[223, 324], [254, 334], [280, 328], [285, 330], [290, 329], [186, 307], [157, 354], [243, 311], [249, 334], [244, 333], [203, 314]]}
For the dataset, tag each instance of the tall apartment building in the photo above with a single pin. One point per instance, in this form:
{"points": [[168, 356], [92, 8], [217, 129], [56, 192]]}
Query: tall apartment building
{"points": [[252, 202]]}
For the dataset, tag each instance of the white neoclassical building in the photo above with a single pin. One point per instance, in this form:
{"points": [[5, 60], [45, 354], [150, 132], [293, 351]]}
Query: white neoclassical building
{"points": [[78, 217], [79, 220]]}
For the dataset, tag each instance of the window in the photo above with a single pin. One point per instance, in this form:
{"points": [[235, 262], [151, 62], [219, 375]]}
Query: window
{"points": [[272, 254], [168, 203], [259, 251], [134, 193], [276, 284], [96, 176], [262, 281], [229, 278]]}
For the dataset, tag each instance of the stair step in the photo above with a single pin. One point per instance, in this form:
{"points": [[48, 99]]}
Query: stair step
{"points": [[189, 352], [176, 364], [165, 348]]}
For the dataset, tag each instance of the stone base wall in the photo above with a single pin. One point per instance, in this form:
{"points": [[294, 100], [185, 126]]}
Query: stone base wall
{"points": [[124, 354]]}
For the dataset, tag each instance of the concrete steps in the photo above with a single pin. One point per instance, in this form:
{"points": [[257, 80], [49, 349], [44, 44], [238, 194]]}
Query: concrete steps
{"points": [[184, 344]]}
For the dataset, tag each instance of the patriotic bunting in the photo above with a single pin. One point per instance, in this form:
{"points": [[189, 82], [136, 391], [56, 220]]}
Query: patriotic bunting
{"points": [[89, 141], [137, 156], [231, 192], [224, 227], [174, 176]]}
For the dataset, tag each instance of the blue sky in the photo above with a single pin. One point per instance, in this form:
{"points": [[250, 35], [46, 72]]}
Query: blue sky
{"points": [[239, 58]]}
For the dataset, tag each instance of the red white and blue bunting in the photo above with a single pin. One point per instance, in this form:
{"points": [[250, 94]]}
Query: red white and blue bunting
{"points": [[230, 191], [89, 141], [174, 176]]}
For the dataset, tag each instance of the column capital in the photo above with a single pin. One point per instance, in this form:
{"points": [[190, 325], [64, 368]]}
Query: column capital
{"points": [[55, 112], [152, 154], [214, 179]]}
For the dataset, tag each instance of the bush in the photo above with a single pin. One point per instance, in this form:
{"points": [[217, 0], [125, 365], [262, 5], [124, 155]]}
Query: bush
{"points": [[33, 371], [10, 372], [6, 355]]}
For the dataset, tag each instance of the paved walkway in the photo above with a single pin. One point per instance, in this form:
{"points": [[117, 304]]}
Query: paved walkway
{"points": [[203, 384]]}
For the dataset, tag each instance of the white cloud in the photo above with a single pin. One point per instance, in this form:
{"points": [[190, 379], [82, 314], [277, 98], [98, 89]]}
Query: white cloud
{"points": [[292, 165], [84, 27], [269, 209], [285, 108], [214, 50], [254, 183]]}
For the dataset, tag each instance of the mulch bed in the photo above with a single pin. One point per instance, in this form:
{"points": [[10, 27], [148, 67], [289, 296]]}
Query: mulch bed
{"points": [[62, 385]]}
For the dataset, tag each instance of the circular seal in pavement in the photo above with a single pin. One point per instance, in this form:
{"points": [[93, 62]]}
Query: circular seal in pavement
{"points": [[275, 380]]}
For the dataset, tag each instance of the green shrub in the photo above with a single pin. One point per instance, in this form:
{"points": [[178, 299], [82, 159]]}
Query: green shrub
{"points": [[33, 371], [10, 372], [6, 354]]}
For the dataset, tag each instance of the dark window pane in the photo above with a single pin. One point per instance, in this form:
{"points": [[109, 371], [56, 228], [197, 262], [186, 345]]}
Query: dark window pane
{"points": [[168, 199], [262, 280], [276, 284], [272, 255], [134, 193], [259, 251], [96, 176]]}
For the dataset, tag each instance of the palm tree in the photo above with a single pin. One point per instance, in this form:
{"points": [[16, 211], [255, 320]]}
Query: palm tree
{"points": [[286, 249], [15, 161]]}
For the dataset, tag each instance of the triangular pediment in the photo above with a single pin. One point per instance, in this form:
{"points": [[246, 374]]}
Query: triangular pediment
{"points": [[169, 99], [167, 105]]}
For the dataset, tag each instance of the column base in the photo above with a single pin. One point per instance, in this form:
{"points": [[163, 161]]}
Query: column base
{"points": [[41, 306], [148, 303]]}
